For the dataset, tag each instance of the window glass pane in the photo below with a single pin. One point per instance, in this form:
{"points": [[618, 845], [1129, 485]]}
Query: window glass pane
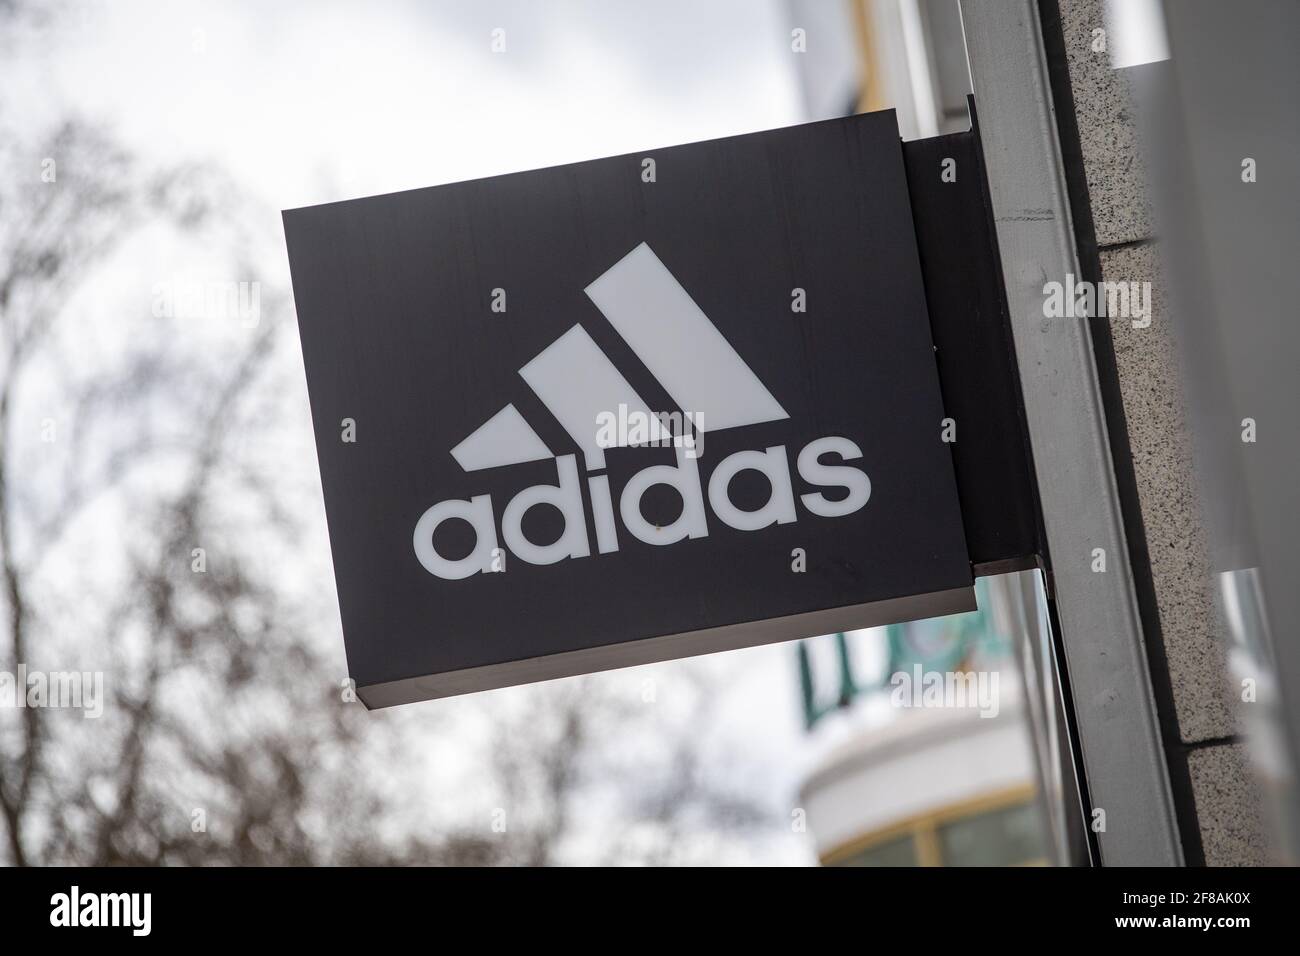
{"points": [[997, 838], [897, 852]]}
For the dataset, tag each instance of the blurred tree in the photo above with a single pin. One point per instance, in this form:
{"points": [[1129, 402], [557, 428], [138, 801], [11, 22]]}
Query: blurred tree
{"points": [[166, 625], [227, 735]]}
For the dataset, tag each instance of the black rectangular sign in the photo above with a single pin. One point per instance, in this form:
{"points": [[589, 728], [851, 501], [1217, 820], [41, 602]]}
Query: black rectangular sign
{"points": [[626, 410]]}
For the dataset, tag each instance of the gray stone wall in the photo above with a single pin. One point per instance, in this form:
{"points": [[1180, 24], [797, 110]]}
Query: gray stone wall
{"points": [[1226, 797]]}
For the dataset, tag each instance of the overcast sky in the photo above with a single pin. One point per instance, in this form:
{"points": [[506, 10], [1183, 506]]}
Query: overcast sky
{"points": [[314, 101]]}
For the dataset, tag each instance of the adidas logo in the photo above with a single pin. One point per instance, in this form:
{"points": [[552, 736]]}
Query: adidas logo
{"points": [[581, 387]]}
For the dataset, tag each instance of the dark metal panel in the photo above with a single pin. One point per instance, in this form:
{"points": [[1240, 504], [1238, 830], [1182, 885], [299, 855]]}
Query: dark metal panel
{"points": [[977, 368]]}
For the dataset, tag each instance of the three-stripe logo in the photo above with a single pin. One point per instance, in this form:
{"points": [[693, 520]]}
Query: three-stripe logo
{"points": [[578, 383]]}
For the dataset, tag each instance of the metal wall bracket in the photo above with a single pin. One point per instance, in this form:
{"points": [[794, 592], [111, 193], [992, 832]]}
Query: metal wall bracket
{"points": [[973, 350]]}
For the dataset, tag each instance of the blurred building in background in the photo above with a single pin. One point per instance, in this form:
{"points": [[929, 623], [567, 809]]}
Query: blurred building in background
{"points": [[905, 779], [933, 788], [905, 55]]}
